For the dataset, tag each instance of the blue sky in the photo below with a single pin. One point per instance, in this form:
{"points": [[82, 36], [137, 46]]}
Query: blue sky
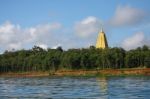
{"points": [[73, 23]]}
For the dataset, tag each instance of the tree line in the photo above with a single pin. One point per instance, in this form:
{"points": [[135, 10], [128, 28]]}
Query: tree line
{"points": [[38, 59]]}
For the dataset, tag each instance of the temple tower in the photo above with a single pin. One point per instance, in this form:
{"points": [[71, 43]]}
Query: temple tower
{"points": [[101, 40]]}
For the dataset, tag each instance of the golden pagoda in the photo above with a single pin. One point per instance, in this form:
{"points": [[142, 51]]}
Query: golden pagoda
{"points": [[101, 40]]}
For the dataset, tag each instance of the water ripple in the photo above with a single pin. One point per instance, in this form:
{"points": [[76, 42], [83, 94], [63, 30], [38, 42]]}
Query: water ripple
{"points": [[75, 88]]}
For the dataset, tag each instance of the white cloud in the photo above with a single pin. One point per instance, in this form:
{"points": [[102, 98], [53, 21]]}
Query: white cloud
{"points": [[14, 37], [137, 40], [9, 36], [87, 26], [14, 45], [55, 46], [43, 32], [126, 16], [44, 46]]}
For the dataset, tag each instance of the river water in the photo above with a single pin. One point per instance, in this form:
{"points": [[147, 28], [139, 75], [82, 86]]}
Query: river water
{"points": [[75, 88]]}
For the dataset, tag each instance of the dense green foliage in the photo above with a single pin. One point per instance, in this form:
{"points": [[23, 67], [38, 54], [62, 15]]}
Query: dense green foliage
{"points": [[38, 59]]}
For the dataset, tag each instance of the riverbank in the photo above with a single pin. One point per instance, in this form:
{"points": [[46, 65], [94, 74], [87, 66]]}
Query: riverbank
{"points": [[105, 72]]}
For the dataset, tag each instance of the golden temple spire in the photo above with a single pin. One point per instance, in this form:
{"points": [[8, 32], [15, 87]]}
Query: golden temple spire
{"points": [[101, 40]]}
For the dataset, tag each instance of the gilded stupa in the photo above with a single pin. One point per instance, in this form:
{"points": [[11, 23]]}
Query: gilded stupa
{"points": [[101, 40]]}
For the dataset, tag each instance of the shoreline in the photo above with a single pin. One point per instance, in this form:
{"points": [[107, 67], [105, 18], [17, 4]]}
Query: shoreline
{"points": [[99, 73]]}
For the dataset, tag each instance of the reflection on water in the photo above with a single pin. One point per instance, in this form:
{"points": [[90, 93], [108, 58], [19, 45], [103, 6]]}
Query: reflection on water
{"points": [[102, 81], [103, 84], [75, 87]]}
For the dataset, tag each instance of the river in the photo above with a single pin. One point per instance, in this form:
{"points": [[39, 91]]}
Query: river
{"points": [[74, 88]]}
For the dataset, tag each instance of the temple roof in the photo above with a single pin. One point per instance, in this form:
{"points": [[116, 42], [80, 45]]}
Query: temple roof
{"points": [[101, 40]]}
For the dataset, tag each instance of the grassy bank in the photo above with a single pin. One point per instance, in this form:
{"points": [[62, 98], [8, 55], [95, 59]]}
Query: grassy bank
{"points": [[105, 72], [25, 74]]}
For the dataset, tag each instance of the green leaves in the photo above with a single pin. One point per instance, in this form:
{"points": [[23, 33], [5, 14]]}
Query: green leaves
{"points": [[38, 59]]}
